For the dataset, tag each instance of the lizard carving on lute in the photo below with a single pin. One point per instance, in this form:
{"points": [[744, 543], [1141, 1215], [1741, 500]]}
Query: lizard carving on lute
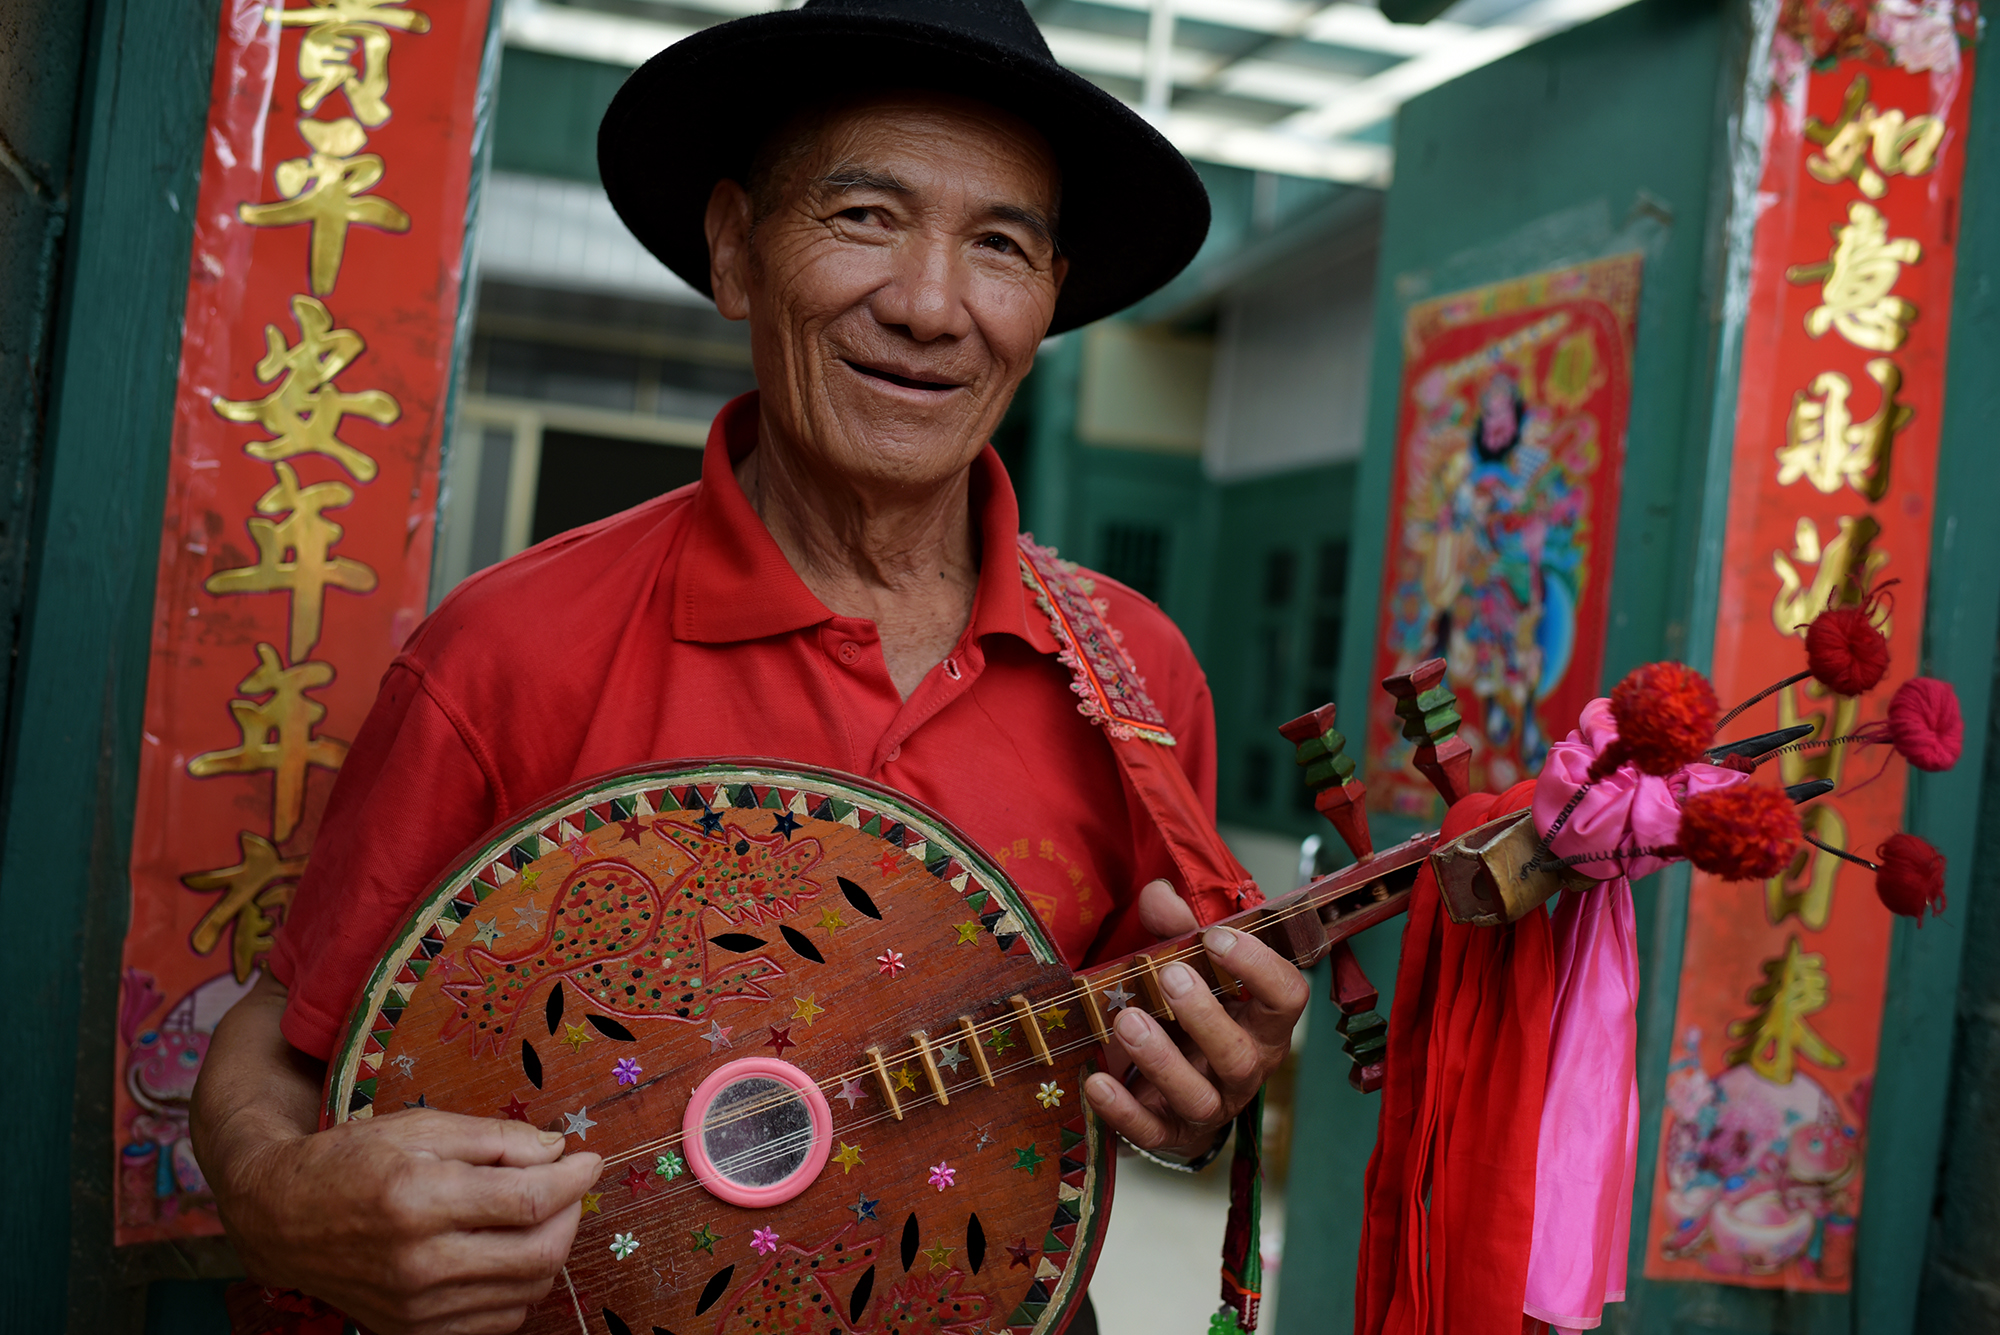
{"points": [[636, 950]]}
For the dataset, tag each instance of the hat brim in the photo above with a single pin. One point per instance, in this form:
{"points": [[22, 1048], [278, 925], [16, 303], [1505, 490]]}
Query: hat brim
{"points": [[1133, 210]]}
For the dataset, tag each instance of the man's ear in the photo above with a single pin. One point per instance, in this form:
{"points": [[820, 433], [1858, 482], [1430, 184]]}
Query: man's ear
{"points": [[728, 226]]}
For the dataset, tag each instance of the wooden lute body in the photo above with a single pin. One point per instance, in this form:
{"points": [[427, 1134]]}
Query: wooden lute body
{"points": [[833, 1061]]}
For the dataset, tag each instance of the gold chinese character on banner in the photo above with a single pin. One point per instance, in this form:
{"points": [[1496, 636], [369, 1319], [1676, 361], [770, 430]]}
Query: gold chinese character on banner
{"points": [[262, 881], [308, 536], [1900, 146], [335, 34], [1798, 601], [1794, 987], [1855, 281], [305, 410], [278, 736], [328, 190], [1827, 447]]}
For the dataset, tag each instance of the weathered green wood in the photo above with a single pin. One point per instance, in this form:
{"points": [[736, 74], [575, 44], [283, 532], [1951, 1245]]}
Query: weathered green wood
{"points": [[1603, 140], [79, 689], [1950, 810]]}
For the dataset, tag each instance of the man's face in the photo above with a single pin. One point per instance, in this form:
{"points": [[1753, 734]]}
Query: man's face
{"points": [[898, 285]]}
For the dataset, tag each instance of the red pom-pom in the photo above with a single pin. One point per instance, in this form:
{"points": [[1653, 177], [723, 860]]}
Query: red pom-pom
{"points": [[1925, 725], [1666, 716], [1912, 877], [1846, 653], [1745, 832]]}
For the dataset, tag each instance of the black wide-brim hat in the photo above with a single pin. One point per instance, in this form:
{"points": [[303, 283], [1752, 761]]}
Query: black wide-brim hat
{"points": [[1133, 212]]}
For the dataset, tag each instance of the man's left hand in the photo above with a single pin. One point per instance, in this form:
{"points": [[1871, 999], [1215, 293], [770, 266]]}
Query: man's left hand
{"points": [[1189, 1089]]}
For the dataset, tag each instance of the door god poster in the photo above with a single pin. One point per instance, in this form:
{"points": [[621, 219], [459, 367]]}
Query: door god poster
{"points": [[1778, 1015], [295, 552], [1503, 511]]}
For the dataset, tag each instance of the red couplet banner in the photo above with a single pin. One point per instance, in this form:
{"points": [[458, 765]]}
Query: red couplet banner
{"points": [[295, 554], [1759, 1180]]}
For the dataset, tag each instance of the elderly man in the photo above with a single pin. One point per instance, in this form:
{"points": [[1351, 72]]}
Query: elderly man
{"points": [[841, 589]]}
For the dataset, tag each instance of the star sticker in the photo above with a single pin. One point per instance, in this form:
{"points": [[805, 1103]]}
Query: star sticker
{"points": [[718, 1036], [906, 1078], [514, 1110], [1050, 1094], [1027, 1160], [950, 1057], [704, 1239], [851, 1090], [848, 1157], [968, 932], [418, 1104], [711, 821], [623, 1245], [578, 848], [1020, 1251], [1001, 1039], [887, 863], [669, 1165], [528, 880], [985, 1137], [940, 1255], [807, 1008], [780, 1039], [831, 921], [1054, 1017], [764, 1241], [579, 1123], [446, 966], [1118, 997], [864, 1209], [405, 1062], [590, 1200], [637, 1180], [530, 917], [627, 1071], [943, 1175], [633, 829], [891, 962], [489, 930], [787, 825], [576, 1036]]}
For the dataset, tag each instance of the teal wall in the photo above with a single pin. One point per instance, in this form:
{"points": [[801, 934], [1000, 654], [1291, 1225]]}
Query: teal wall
{"points": [[1615, 137], [1603, 140], [546, 123]]}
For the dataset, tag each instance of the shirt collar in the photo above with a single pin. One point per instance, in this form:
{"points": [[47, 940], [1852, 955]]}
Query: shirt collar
{"points": [[733, 583]]}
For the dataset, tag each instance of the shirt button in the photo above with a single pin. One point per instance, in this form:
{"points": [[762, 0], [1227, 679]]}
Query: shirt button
{"points": [[849, 652], [895, 754]]}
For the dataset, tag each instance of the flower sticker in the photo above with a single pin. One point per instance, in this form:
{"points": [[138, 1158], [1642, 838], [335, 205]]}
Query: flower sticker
{"points": [[891, 962], [627, 1071], [1050, 1094], [670, 1165], [764, 1241], [943, 1175], [623, 1245]]}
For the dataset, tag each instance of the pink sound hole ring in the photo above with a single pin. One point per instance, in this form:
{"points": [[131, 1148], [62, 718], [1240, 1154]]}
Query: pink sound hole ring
{"points": [[757, 1132]]}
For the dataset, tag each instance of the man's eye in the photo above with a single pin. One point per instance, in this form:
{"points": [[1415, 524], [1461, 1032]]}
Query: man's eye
{"points": [[857, 214], [1004, 244]]}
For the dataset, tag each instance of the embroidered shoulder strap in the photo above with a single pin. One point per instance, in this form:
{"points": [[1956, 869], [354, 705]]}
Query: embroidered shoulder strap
{"points": [[1113, 695]]}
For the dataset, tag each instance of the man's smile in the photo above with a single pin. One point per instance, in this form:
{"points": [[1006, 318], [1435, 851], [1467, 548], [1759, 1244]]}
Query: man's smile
{"points": [[893, 378]]}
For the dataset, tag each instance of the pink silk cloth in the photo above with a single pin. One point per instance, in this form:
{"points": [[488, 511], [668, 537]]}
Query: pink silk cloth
{"points": [[1589, 1145]]}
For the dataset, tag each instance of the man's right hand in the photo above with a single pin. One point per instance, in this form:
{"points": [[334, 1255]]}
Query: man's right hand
{"points": [[414, 1223]]}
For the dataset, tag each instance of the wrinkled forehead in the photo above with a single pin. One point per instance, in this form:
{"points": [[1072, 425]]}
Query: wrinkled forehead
{"points": [[999, 153]]}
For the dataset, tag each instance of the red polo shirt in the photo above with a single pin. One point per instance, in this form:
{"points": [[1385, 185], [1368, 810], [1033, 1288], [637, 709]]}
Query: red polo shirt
{"points": [[678, 631]]}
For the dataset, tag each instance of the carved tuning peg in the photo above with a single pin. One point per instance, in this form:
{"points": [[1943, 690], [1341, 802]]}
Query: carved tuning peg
{"points": [[1330, 774], [1429, 711], [1364, 1033]]}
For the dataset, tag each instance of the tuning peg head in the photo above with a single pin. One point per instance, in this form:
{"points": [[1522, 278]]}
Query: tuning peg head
{"points": [[1322, 752], [1429, 711]]}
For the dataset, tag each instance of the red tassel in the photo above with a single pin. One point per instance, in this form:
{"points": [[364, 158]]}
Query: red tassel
{"points": [[1911, 876], [1925, 725], [1846, 653], [1666, 716], [1746, 832]]}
